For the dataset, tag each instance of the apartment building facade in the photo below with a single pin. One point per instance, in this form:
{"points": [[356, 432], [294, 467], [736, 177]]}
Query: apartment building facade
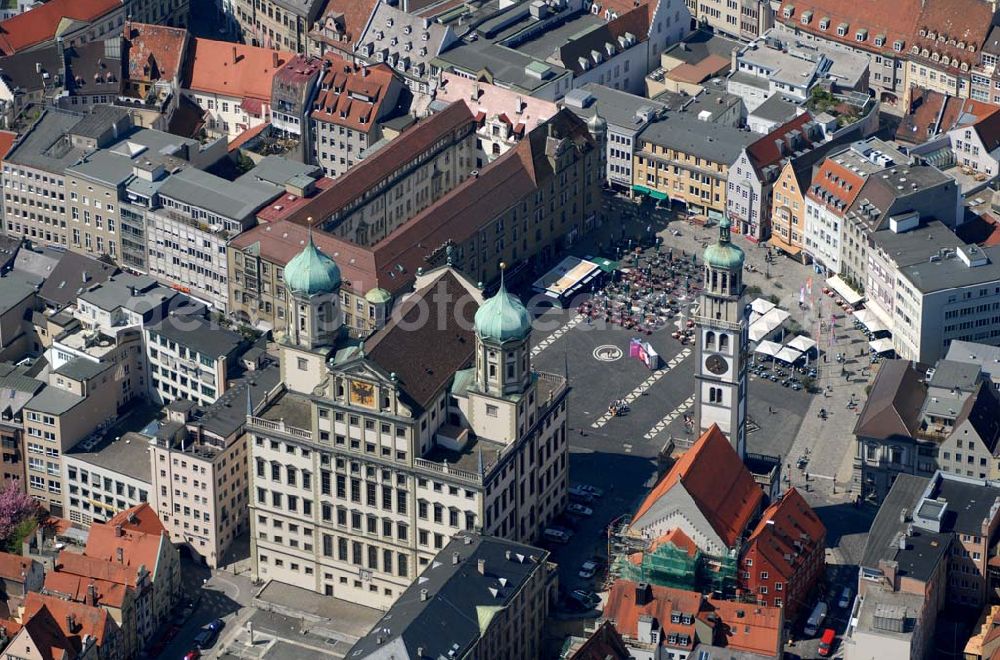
{"points": [[190, 358], [347, 112], [677, 159], [741, 20], [105, 476], [279, 24], [398, 181], [356, 492]]}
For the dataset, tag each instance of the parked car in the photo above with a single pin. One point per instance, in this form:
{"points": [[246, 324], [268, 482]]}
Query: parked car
{"points": [[579, 510], [577, 494], [556, 535], [193, 654], [585, 598], [206, 636], [845, 598], [587, 570], [816, 619], [593, 490], [826, 642]]}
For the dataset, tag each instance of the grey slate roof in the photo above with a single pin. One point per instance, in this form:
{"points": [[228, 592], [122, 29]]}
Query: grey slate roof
{"points": [[38, 262], [916, 245], [446, 624], [199, 334], [13, 290], [925, 549], [929, 277], [46, 145], [229, 412], [138, 293], [969, 502], [505, 64], [236, 200], [618, 108], [278, 171], [19, 69], [949, 374], [74, 273], [80, 369], [778, 108], [54, 401], [128, 455], [114, 166], [700, 44], [714, 142], [100, 118]]}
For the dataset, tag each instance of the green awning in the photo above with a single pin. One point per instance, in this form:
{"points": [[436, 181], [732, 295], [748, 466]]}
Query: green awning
{"points": [[655, 194]]}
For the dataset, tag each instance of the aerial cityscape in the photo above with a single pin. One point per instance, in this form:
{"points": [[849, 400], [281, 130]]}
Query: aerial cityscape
{"points": [[500, 329]]}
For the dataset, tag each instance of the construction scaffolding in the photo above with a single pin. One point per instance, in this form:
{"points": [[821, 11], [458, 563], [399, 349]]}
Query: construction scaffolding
{"points": [[668, 565]]}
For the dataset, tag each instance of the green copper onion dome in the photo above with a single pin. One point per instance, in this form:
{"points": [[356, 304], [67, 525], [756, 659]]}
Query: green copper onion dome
{"points": [[723, 254], [311, 272], [503, 317], [378, 296]]}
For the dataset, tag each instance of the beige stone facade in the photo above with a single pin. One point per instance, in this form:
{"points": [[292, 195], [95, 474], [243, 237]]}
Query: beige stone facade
{"points": [[788, 208]]}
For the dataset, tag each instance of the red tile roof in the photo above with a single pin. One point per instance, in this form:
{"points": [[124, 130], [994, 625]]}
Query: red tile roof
{"points": [[77, 588], [7, 139], [623, 610], [234, 70], [278, 242], [139, 518], [47, 636], [747, 627], [988, 129], [622, 7], [896, 21], [765, 151], [676, 536], [95, 567], [843, 184], [137, 544], [785, 522], [716, 479], [40, 24], [352, 95], [352, 15], [92, 621], [965, 21], [246, 136], [283, 207], [380, 165], [155, 52], [14, 567]]}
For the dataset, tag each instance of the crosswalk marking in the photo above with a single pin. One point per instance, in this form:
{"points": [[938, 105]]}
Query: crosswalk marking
{"points": [[644, 386], [669, 418], [566, 327]]}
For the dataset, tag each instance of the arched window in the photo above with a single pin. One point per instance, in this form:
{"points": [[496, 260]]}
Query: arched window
{"points": [[723, 342], [710, 340]]}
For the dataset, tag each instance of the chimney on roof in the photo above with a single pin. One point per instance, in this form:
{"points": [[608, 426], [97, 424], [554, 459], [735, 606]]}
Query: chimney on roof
{"points": [[38, 67], [118, 530], [643, 594], [481, 566], [423, 595], [234, 54], [71, 623], [275, 59], [120, 555], [91, 595]]}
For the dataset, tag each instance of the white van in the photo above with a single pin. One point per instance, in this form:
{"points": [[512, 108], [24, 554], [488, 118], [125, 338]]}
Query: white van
{"points": [[816, 619]]}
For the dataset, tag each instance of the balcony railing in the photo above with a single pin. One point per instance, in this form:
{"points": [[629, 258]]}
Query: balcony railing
{"points": [[267, 425], [444, 468]]}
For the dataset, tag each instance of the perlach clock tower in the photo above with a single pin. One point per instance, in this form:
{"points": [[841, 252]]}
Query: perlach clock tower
{"points": [[722, 344]]}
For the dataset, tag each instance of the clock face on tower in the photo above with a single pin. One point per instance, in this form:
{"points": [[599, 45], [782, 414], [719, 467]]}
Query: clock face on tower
{"points": [[716, 364]]}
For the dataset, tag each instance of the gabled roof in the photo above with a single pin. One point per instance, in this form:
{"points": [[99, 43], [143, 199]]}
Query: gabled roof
{"points": [[155, 52], [788, 520], [353, 16], [747, 627], [77, 589], [139, 518], [89, 621], [982, 412], [840, 183], [47, 636], [988, 130], [896, 21], [894, 403], [42, 23], [94, 567], [965, 21], [380, 165], [624, 611], [72, 275], [233, 70], [603, 644], [782, 142], [352, 95], [425, 356], [14, 567], [138, 549], [716, 479]]}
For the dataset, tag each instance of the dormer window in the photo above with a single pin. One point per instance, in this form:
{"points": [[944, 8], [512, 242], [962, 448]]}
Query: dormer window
{"points": [[935, 56], [897, 46], [824, 23], [961, 44], [861, 35], [879, 39], [806, 17], [842, 30], [789, 10]]}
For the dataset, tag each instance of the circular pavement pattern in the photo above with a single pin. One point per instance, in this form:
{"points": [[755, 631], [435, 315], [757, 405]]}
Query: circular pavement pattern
{"points": [[608, 353]]}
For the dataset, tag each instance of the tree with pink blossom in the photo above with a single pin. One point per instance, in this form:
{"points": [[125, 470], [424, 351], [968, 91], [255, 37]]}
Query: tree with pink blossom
{"points": [[19, 515]]}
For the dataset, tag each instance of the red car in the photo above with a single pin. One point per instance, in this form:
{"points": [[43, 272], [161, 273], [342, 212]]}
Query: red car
{"points": [[193, 654], [826, 642]]}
